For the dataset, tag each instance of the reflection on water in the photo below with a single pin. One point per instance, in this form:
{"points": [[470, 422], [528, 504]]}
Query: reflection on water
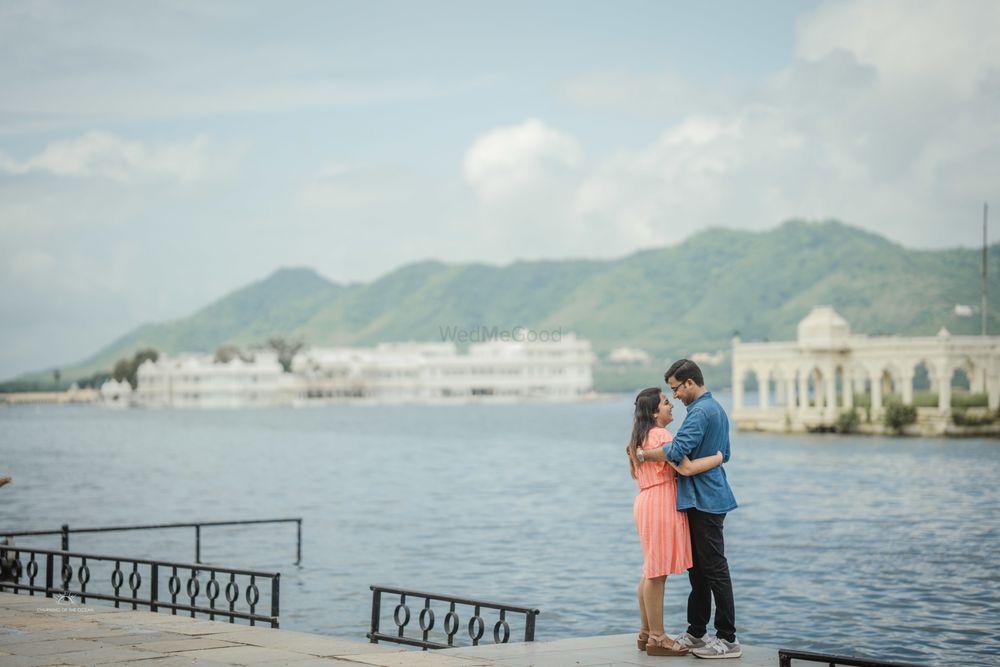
{"points": [[852, 545]]}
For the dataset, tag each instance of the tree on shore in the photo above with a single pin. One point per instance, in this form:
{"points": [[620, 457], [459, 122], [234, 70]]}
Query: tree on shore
{"points": [[286, 350], [227, 353], [127, 369], [94, 381]]}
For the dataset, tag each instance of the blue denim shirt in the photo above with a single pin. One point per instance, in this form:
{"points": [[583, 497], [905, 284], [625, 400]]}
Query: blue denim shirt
{"points": [[704, 432]]}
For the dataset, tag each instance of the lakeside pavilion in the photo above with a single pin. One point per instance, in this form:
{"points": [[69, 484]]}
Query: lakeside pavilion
{"points": [[807, 383]]}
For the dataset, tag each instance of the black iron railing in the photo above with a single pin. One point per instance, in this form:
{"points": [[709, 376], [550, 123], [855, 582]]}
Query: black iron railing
{"points": [[65, 532], [51, 573], [785, 657], [426, 619]]}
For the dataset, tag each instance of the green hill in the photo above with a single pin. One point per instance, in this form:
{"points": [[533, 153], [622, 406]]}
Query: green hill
{"points": [[670, 301]]}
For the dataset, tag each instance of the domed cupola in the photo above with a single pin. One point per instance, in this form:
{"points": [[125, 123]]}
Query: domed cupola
{"points": [[824, 329]]}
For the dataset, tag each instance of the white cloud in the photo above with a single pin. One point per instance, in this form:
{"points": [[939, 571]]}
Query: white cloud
{"points": [[889, 118], [515, 159], [947, 44], [650, 196], [105, 155]]}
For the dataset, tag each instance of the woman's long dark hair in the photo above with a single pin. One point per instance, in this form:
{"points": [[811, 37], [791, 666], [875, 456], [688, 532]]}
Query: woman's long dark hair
{"points": [[644, 420]]}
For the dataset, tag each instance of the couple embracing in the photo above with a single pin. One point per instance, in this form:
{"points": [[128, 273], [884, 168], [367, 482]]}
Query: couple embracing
{"points": [[679, 511]]}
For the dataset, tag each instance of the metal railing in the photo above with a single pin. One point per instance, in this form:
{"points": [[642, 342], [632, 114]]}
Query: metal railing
{"points": [[401, 617], [50, 573], [65, 532], [785, 657]]}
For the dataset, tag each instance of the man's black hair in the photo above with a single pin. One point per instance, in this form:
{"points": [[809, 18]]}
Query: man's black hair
{"points": [[684, 370]]}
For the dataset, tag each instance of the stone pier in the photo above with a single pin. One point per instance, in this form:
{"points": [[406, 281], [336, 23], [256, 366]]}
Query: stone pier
{"points": [[39, 632]]}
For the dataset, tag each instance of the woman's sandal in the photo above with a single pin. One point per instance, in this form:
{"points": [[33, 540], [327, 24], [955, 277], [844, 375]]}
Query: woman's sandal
{"points": [[664, 645], [641, 641]]}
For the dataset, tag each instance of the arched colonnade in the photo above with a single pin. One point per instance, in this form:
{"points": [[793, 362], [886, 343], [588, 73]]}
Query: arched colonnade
{"points": [[817, 377]]}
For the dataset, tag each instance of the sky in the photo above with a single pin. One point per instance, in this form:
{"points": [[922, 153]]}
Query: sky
{"points": [[155, 156]]}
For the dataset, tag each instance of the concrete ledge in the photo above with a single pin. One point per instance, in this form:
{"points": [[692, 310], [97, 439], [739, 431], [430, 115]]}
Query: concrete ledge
{"points": [[38, 632]]}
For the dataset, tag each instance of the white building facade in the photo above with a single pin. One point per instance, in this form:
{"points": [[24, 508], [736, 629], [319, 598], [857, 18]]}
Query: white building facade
{"points": [[198, 381], [116, 393], [497, 371], [806, 384]]}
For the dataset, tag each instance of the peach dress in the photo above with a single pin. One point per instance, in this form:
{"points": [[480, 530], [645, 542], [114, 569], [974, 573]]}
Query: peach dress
{"points": [[663, 531]]}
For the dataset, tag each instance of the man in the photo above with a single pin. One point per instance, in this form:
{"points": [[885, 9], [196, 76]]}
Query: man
{"points": [[706, 498]]}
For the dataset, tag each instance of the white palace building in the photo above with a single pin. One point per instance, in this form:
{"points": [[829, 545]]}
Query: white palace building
{"points": [[806, 384], [198, 381], [495, 371]]}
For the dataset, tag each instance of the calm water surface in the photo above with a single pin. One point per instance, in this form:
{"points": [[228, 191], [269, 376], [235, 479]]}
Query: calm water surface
{"points": [[875, 546]]}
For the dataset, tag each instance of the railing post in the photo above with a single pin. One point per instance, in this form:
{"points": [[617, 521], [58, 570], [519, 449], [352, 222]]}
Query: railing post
{"points": [[275, 591], [376, 613], [529, 627], [298, 547], [49, 561], [154, 587], [65, 546], [197, 543]]}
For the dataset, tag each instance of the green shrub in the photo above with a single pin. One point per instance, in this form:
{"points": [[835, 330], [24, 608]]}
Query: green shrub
{"points": [[897, 416], [848, 422], [962, 418]]}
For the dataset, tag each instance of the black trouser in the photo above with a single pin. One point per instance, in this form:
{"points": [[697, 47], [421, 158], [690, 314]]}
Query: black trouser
{"points": [[709, 577]]}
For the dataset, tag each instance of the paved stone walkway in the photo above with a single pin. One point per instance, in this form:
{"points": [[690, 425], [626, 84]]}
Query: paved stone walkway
{"points": [[605, 651], [38, 632]]}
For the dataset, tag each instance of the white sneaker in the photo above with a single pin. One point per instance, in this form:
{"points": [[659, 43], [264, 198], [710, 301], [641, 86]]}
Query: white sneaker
{"points": [[690, 641], [719, 648]]}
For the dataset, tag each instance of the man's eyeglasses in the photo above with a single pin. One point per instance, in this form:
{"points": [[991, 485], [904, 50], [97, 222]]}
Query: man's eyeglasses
{"points": [[678, 387]]}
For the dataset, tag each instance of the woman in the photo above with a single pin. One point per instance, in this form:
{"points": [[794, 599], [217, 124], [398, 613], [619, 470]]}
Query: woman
{"points": [[663, 531]]}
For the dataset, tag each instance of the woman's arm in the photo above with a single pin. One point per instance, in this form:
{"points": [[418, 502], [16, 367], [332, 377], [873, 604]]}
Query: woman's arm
{"points": [[688, 467]]}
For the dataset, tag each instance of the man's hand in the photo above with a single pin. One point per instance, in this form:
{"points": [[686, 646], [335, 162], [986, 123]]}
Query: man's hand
{"points": [[649, 454], [657, 454]]}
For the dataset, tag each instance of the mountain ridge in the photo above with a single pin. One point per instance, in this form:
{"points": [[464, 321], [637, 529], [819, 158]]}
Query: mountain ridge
{"points": [[671, 300]]}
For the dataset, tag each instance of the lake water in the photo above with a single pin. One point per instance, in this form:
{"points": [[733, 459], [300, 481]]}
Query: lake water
{"points": [[876, 546]]}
